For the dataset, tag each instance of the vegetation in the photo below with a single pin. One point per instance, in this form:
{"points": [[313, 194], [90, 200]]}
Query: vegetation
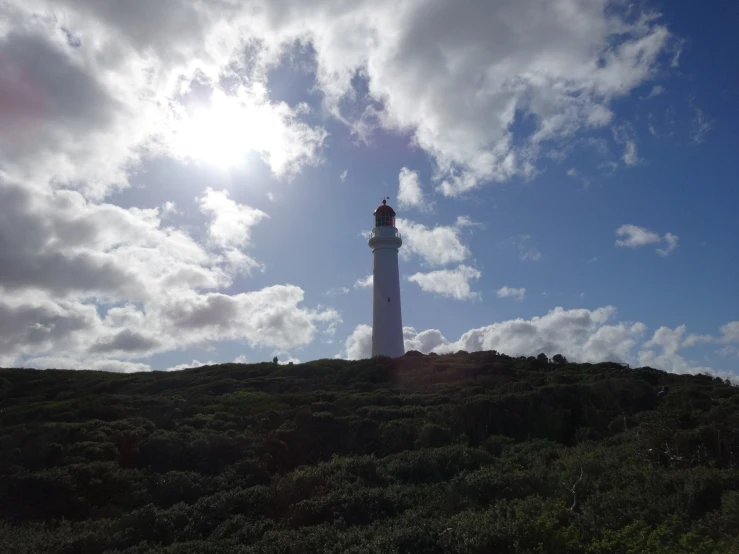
{"points": [[464, 453]]}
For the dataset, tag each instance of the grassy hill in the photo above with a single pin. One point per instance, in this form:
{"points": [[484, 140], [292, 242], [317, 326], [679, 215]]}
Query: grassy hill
{"points": [[463, 453]]}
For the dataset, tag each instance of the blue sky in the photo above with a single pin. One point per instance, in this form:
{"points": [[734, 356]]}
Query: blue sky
{"points": [[192, 189]]}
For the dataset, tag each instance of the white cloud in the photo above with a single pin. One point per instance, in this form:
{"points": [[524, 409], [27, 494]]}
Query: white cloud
{"points": [[593, 260], [695, 340], [637, 237], [508, 292], [730, 332], [194, 363], [230, 222], [669, 341], [728, 351], [630, 157], [656, 91], [114, 366], [65, 261], [424, 341], [650, 125], [453, 283], [126, 91], [359, 343], [336, 291], [526, 252], [466, 221], [170, 208], [437, 246], [410, 194], [671, 243], [84, 116], [364, 283], [241, 359], [581, 335], [572, 172], [624, 134], [343, 175], [701, 125]]}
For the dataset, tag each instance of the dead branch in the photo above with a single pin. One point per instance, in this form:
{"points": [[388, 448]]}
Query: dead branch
{"points": [[573, 489]]}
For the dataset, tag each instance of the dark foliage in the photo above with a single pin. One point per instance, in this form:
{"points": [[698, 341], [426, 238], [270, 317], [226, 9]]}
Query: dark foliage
{"points": [[466, 453]]}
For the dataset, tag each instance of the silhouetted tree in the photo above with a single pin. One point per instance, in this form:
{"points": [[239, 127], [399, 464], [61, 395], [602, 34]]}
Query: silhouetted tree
{"points": [[559, 359]]}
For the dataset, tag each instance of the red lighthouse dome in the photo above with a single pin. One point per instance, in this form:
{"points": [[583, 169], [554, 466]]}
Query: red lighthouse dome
{"points": [[384, 216]]}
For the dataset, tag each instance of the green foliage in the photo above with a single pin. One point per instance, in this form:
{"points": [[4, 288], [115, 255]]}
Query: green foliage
{"points": [[466, 453]]}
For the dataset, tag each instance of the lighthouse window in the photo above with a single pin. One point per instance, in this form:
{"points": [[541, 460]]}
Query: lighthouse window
{"points": [[384, 219]]}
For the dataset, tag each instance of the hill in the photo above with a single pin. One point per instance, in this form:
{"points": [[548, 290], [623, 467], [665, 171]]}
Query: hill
{"points": [[463, 453]]}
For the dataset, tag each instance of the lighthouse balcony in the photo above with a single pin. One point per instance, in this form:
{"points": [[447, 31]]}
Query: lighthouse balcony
{"points": [[389, 236]]}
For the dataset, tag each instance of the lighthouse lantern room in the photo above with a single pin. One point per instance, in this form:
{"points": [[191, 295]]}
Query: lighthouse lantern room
{"points": [[387, 324]]}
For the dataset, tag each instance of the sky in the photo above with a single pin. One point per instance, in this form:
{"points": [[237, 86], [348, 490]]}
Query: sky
{"points": [[189, 182]]}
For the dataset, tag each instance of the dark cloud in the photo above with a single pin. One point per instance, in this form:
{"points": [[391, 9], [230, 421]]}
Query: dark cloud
{"points": [[33, 255], [125, 341]]}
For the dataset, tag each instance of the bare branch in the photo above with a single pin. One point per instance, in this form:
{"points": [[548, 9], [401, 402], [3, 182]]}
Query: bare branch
{"points": [[573, 489]]}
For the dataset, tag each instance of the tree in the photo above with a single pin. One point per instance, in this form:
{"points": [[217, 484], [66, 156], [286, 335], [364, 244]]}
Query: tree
{"points": [[559, 359], [542, 359], [274, 360]]}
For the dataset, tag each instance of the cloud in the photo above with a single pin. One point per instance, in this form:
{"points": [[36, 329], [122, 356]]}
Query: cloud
{"points": [[695, 340], [526, 252], [637, 237], [84, 117], [336, 291], [730, 332], [630, 157], [669, 341], [424, 341], [565, 78], [364, 283], [343, 175], [671, 243], [437, 246], [126, 341], [656, 91], [410, 194], [466, 221], [572, 172], [593, 260], [728, 351], [359, 344], [114, 366], [508, 292], [453, 283], [230, 222], [194, 363], [81, 280], [701, 126], [581, 335], [86, 114]]}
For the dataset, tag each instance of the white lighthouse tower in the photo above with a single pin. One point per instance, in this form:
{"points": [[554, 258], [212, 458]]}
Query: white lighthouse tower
{"points": [[387, 324]]}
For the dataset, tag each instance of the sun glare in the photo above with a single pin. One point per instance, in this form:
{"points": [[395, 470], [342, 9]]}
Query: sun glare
{"points": [[223, 133]]}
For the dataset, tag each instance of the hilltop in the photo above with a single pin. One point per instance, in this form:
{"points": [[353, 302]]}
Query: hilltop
{"points": [[463, 453]]}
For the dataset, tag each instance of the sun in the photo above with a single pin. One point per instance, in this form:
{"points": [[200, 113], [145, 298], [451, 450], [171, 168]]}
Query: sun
{"points": [[223, 133]]}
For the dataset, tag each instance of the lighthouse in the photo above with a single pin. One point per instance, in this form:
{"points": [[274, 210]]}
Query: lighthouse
{"points": [[387, 324]]}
